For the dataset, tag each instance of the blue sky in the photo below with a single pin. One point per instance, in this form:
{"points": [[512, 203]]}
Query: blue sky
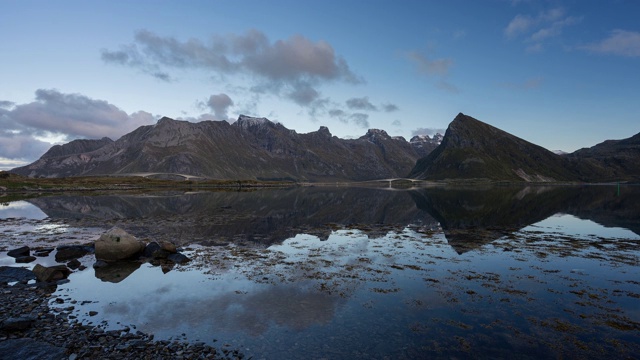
{"points": [[563, 74]]}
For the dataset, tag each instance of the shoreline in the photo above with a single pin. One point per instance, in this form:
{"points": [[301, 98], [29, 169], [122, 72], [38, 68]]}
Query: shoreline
{"points": [[31, 329]]}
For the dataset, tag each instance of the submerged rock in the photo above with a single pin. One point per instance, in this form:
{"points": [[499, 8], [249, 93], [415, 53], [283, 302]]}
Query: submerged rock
{"points": [[116, 244]]}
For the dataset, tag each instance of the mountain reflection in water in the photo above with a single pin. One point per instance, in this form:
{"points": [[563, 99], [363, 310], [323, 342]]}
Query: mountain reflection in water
{"points": [[470, 217]]}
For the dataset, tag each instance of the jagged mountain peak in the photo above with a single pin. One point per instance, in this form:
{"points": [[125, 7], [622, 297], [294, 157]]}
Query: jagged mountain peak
{"points": [[245, 121], [374, 134]]}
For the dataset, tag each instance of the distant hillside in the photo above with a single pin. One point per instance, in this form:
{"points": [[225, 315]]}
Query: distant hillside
{"points": [[250, 148], [617, 159], [472, 149]]}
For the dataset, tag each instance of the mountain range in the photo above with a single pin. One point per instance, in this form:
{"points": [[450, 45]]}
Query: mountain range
{"points": [[257, 148], [250, 148]]}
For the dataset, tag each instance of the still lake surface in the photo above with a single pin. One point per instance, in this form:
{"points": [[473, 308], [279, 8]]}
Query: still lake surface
{"points": [[496, 272]]}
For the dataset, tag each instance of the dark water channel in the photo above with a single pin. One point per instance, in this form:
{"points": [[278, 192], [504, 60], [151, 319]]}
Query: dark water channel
{"points": [[310, 273]]}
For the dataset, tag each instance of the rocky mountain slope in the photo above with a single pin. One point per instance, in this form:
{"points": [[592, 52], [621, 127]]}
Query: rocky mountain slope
{"points": [[617, 159], [472, 149], [250, 148]]}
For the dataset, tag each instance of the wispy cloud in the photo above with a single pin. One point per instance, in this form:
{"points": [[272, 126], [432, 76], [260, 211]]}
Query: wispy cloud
{"points": [[362, 103], [619, 42], [437, 68], [388, 107], [430, 66], [360, 119], [536, 30]]}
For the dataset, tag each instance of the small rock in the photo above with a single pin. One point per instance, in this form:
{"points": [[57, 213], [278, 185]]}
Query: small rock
{"points": [[52, 273], [150, 249], [21, 251], [170, 247], [43, 252], [178, 258], [93, 313], [25, 259], [73, 264]]}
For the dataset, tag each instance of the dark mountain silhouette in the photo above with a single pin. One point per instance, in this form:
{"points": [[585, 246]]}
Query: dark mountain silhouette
{"points": [[250, 148], [472, 149]]}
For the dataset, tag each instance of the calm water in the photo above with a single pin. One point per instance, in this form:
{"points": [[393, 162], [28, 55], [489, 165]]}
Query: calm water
{"points": [[540, 272]]}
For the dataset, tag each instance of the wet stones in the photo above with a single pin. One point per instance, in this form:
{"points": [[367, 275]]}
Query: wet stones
{"points": [[116, 244], [159, 253]]}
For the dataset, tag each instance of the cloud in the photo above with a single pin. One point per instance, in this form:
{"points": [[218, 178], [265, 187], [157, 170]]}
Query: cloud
{"points": [[361, 104], [6, 104], [15, 147], [427, 66], [360, 119], [390, 107], [303, 94], [427, 131], [341, 115], [396, 123], [63, 117], [292, 67], [619, 42], [220, 104], [76, 115], [537, 29]]}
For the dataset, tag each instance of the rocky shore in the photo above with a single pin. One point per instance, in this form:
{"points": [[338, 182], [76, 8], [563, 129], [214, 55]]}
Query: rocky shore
{"points": [[30, 329]]}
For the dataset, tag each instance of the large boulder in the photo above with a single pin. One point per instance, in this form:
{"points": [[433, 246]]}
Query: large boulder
{"points": [[116, 244]]}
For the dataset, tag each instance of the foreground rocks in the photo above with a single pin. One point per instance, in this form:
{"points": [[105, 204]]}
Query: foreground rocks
{"points": [[30, 330]]}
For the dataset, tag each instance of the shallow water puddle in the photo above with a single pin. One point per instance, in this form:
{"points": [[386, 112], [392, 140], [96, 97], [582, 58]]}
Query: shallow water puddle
{"points": [[544, 292]]}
